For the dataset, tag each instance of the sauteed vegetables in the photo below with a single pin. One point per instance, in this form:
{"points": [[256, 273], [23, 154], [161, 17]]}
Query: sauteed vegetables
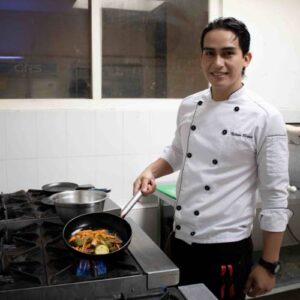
{"points": [[100, 241]]}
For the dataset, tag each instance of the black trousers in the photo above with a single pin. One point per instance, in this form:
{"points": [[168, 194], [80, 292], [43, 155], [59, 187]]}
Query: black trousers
{"points": [[223, 267]]}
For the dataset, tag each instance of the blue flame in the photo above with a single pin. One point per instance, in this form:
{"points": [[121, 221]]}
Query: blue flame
{"points": [[100, 268], [87, 268], [83, 268]]}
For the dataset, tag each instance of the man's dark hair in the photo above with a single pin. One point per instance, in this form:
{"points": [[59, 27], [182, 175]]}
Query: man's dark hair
{"points": [[237, 27]]}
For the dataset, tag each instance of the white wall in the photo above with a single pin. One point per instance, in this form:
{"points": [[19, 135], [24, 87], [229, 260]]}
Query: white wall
{"points": [[106, 144], [275, 69]]}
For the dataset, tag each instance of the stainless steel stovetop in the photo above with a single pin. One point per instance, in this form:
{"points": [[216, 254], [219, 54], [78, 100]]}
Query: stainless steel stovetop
{"points": [[35, 264]]}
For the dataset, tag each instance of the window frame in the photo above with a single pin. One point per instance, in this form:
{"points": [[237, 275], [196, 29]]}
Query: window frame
{"points": [[214, 9], [96, 46]]}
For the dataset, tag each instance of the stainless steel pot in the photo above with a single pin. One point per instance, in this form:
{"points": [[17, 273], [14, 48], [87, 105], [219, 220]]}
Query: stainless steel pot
{"points": [[70, 204]]}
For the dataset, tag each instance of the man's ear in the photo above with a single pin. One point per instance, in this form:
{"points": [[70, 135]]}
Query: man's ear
{"points": [[247, 58]]}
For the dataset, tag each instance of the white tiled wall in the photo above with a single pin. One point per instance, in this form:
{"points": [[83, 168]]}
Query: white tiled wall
{"points": [[3, 178], [21, 135], [81, 133], [21, 173], [109, 132], [110, 174], [52, 169], [105, 146], [51, 134]]}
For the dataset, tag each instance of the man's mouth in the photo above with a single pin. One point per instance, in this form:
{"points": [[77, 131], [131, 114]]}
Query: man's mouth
{"points": [[218, 74]]}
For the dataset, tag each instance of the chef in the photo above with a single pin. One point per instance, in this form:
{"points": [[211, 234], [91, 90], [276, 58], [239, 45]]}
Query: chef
{"points": [[228, 143]]}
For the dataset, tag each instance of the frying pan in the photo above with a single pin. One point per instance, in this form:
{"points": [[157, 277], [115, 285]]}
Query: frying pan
{"points": [[58, 187], [103, 220]]}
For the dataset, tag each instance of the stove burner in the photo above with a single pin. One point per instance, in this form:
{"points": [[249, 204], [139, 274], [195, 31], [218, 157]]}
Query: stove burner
{"points": [[16, 198], [28, 269], [23, 205], [6, 279], [92, 268], [64, 267], [36, 254], [35, 262]]}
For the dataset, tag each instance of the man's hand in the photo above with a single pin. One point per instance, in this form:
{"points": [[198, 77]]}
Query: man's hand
{"points": [[145, 182], [259, 282]]}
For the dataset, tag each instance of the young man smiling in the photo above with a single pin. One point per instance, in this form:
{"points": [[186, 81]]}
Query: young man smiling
{"points": [[222, 61], [228, 143]]}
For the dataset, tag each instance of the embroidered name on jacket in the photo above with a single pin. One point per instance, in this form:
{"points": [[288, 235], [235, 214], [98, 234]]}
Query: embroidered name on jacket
{"points": [[241, 134]]}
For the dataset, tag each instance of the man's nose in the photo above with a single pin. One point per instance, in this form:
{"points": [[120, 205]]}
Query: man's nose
{"points": [[219, 61]]}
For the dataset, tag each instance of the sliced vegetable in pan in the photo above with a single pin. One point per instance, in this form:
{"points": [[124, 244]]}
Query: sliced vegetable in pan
{"points": [[100, 241]]}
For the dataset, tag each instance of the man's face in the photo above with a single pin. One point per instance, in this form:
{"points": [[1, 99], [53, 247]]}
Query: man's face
{"points": [[222, 62]]}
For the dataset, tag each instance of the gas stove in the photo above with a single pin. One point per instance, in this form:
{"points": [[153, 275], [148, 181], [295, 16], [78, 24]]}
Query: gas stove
{"points": [[35, 263]]}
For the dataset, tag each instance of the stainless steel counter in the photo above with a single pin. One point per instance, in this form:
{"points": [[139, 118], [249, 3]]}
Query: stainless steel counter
{"points": [[196, 292], [160, 269]]}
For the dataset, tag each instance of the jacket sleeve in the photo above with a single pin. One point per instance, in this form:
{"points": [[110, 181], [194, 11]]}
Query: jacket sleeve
{"points": [[173, 153], [272, 161]]}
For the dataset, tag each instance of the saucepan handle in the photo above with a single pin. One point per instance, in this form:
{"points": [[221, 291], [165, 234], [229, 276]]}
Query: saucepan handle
{"points": [[126, 209]]}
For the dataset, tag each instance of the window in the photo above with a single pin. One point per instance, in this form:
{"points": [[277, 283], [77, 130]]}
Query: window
{"points": [[151, 48], [45, 49]]}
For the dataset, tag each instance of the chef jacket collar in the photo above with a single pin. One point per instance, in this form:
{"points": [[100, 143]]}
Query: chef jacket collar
{"points": [[236, 94]]}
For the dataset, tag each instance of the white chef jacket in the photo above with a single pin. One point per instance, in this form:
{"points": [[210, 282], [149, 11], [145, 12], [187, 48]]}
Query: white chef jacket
{"points": [[225, 150]]}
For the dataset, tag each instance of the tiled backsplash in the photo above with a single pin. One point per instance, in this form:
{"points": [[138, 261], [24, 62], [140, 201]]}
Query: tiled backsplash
{"points": [[107, 147]]}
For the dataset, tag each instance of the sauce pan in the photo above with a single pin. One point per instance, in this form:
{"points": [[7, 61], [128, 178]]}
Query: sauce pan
{"points": [[71, 204]]}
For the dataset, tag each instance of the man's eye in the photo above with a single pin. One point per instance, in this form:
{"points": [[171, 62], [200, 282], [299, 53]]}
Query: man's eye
{"points": [[208, 53], [228, 53]]}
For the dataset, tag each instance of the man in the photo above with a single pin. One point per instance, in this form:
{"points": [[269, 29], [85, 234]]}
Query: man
{"points": [[228, 143]]}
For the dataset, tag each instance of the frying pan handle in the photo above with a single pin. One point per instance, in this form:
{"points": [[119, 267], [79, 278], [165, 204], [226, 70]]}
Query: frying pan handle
{"points": [[85, 187], [102, 190], [128, 206], [91, 187]]}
